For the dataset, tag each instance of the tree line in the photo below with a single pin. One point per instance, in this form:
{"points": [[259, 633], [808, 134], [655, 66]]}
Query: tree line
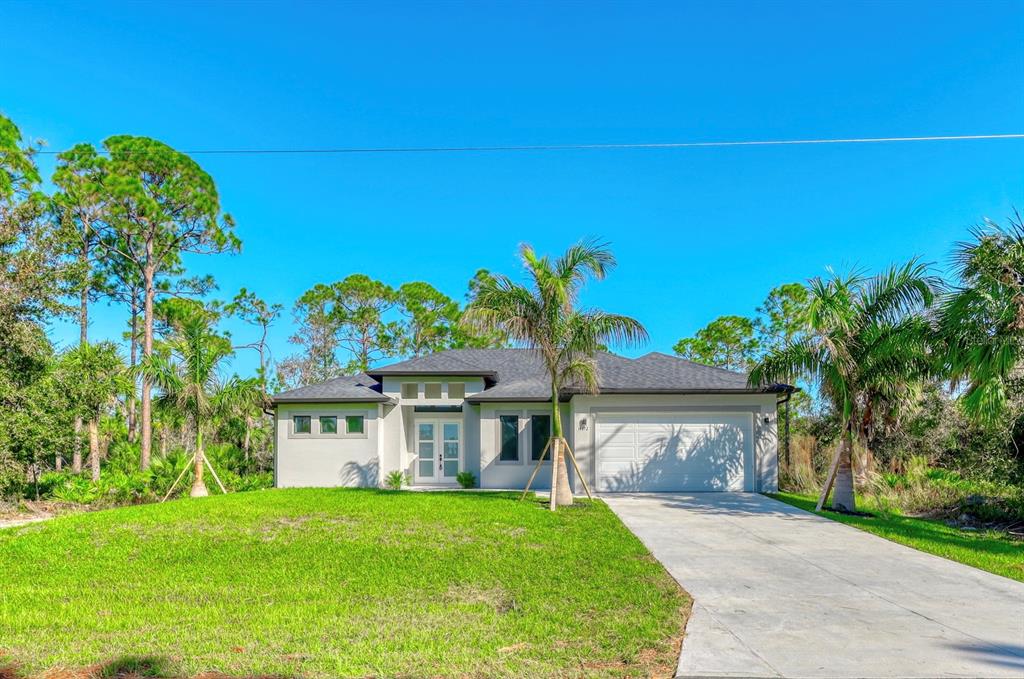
{"points": [[115, 229]]}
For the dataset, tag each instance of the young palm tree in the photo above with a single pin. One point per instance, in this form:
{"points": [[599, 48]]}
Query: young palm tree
{"points": [[543, 316], [187, 377], [866, 348], [982, 321]]}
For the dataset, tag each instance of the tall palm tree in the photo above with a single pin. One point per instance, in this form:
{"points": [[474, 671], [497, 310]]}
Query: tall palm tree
{"points": [[982, 320], [543, 315], [866, 347], [188, 380]]}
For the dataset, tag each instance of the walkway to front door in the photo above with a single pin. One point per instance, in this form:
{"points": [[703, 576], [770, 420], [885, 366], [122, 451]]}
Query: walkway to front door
{"points": [[438, 451], [781, 592]]}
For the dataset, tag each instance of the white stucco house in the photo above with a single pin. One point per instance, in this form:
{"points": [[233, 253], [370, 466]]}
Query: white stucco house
{"points": [[658, 423]]}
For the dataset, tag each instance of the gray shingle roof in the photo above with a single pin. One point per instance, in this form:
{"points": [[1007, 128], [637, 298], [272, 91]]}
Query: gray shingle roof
{"points": [[519, 375], [358, 388]]}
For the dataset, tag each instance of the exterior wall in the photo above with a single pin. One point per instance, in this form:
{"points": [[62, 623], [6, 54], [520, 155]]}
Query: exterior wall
{"points": [[764, 476], [497, 474], [304, 460]]}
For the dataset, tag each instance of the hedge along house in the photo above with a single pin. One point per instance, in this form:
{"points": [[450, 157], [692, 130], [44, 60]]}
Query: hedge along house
{"points": [[659, 423]]}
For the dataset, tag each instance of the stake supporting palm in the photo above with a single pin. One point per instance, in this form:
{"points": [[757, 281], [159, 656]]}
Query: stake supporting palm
{"points": [[543, 315]]}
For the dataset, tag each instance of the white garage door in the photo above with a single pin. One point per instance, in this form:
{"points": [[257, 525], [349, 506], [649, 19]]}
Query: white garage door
{"points": [[661, 452]]}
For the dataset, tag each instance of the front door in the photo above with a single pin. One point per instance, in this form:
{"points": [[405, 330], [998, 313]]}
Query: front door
{"points": [[438, 449]]}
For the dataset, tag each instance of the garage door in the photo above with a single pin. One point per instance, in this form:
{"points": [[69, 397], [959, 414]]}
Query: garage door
{"points": [[665, 453]]}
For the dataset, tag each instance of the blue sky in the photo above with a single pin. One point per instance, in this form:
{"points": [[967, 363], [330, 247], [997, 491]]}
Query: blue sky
{"points": [[698, 233]]}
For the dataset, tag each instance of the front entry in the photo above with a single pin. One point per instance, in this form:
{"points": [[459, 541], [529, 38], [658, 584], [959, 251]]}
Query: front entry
{"points": [[438, 450]]}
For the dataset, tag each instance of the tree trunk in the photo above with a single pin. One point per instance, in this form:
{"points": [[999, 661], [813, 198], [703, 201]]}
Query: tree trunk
{"points": [[133, 343], [198, 487], [83, 339], [248, 436], [76, 452], [94, 447], [147, 351], [842, 492], [561, 493], [164, 435]]}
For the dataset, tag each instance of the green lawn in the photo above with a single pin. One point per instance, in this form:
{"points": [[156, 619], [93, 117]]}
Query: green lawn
{"points": [[987, 550], [339, 582]]}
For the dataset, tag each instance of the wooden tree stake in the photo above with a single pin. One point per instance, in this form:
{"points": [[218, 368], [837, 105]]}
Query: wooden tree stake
{"points": [[831, 478], [214, 472], [575, 466], [535, 470], [173, 485]]}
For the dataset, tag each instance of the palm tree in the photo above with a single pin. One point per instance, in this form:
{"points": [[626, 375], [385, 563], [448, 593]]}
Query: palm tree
{"points": [[982, 320], [866, 347], [93, 375], [187, 376], [544, 316]]}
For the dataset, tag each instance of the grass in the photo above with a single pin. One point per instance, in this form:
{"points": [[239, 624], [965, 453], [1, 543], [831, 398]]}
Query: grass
{"points": [[338, 582], [991, 551]]}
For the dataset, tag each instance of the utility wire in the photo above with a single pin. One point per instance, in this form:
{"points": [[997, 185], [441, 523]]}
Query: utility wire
{"points": [[582, 147]]}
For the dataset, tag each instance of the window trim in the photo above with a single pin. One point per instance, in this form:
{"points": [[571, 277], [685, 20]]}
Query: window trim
{"points": [[520, 459]]}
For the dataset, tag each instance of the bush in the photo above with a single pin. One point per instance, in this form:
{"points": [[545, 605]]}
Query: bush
{"points": [[466, 479], [12, 476], [395, 479]]}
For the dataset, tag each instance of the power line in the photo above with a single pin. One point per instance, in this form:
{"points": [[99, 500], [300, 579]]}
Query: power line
{"points": [[583, 147]]}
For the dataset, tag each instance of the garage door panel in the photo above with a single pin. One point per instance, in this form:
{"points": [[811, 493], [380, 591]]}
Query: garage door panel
{"points": [[672, 452]]}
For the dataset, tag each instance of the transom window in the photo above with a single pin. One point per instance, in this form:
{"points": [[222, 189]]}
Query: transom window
{"points": [[300, 424], [328, 424], [432, 390], [456, 390], [540, 432], [508, 438], [354, 424], [410, 390]]}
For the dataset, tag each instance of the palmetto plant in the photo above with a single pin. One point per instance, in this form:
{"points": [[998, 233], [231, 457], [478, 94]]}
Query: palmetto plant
{"points": [[866, 347], [543, 315], [982, 320], [188, 379]]}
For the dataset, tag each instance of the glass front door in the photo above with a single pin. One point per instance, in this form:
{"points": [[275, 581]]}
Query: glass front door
{"points": [[438, 449]]}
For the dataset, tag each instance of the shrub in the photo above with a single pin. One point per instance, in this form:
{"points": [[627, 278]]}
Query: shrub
{"points": [[466, 479], [395, 479], [12, 476]]}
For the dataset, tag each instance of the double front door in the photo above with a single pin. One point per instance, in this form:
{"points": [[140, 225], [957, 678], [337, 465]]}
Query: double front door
{"points": [[438, 450]]}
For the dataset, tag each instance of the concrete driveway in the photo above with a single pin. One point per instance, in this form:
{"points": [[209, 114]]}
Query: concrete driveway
{"points": [[781, 592]]}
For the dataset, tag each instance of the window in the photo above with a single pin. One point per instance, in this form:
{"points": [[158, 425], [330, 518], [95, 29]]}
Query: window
{"points": [[456, 390], [300, 424], [432, 390], [508, 433], [328, 424], [410, 390], [354, 424], [540, 432]]}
